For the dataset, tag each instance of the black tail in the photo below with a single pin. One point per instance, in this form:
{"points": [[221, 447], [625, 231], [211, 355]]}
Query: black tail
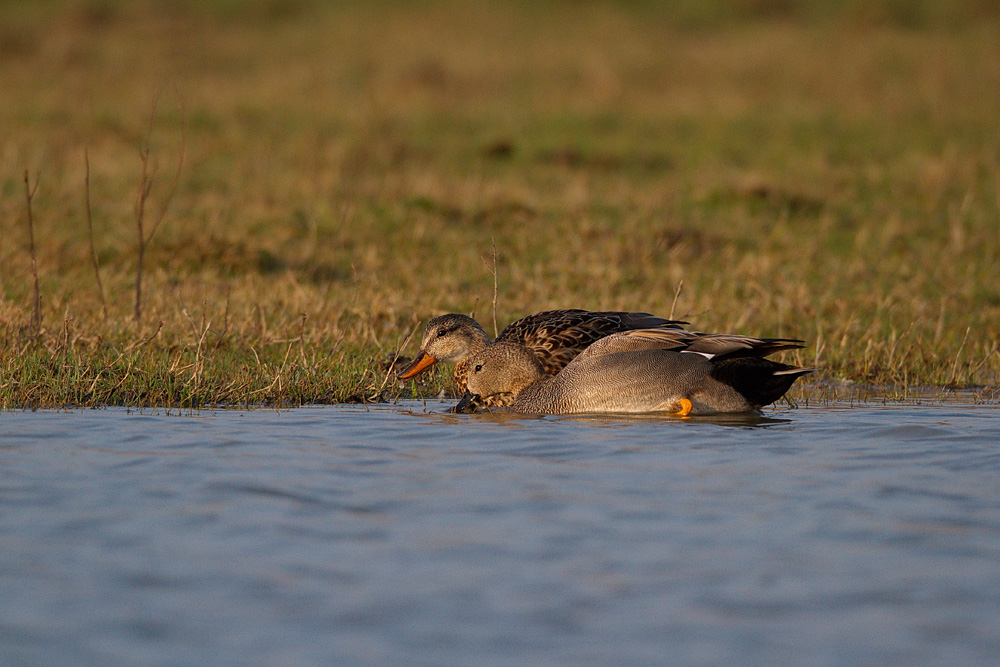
{"points": [[760, 381]]}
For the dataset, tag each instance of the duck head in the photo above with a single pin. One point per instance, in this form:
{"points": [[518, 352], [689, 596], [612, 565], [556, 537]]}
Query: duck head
{"points": [[450, 338], [498, 374]]}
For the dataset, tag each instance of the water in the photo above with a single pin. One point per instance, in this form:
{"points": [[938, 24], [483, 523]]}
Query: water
{"points": [[345, 536]]}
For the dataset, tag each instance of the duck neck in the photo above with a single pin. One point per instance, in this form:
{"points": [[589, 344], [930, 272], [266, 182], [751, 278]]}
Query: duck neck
{"points": [[528, 374], [534, 397]]}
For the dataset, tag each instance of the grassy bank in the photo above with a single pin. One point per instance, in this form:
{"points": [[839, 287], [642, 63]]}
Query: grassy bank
{"points": [[326, 178]]}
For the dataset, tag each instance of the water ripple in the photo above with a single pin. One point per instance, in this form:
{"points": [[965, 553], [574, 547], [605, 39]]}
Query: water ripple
{"points": [[407, 534]]}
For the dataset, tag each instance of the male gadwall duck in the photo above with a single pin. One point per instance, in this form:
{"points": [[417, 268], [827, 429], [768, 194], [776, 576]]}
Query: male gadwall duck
{"points": [[553, 337], [648, 370]]}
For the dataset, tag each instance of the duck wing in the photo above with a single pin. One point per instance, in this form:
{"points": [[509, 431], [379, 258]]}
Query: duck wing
{"points": [[729, 346], [557, 336], [710, 345]]}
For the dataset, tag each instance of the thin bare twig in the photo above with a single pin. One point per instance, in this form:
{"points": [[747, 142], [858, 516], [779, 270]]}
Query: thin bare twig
{"points": [[350, 310], [142, 194], [493, 270], [277, 376], [986, 358], [225, 323], [302, 339], [90, 229], [199, 359], [139, 343], [954, 366], [677, 293], [173, 184], [389, 373], [36, 313]]}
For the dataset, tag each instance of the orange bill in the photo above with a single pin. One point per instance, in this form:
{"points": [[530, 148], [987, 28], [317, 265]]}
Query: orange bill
{"points": [[422, 362]]}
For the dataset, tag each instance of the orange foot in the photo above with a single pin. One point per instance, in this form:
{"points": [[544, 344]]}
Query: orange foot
{"points": [[686, 407]]}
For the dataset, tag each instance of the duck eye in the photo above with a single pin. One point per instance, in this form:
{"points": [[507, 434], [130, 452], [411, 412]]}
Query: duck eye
{"points": [[441, 332], [478, 368]]}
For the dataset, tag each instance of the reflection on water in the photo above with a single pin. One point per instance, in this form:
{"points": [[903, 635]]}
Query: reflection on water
{"points": [[409, 535]]}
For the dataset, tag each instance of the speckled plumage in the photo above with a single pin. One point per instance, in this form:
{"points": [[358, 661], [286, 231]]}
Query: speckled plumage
{"points": [[554, 337], [649, 370]]}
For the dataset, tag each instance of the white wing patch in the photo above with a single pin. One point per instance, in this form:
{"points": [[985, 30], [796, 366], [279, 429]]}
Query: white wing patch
{"points": [[707, 355]]}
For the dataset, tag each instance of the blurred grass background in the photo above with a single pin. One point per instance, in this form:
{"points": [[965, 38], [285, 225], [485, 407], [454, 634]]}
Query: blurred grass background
{"points": [[821, 170]]}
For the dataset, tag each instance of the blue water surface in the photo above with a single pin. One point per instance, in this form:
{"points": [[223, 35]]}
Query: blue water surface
{"points": [[405, 535]]}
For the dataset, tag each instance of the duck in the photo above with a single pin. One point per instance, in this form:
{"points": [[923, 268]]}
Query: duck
{"points": [[637, 371], [552, 337]]}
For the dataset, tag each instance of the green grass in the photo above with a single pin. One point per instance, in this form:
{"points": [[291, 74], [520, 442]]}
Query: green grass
{"points": [[828, 171]]}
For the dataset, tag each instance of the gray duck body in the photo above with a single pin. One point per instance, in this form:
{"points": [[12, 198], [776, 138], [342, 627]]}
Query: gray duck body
{"points": [[639, 371]]}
